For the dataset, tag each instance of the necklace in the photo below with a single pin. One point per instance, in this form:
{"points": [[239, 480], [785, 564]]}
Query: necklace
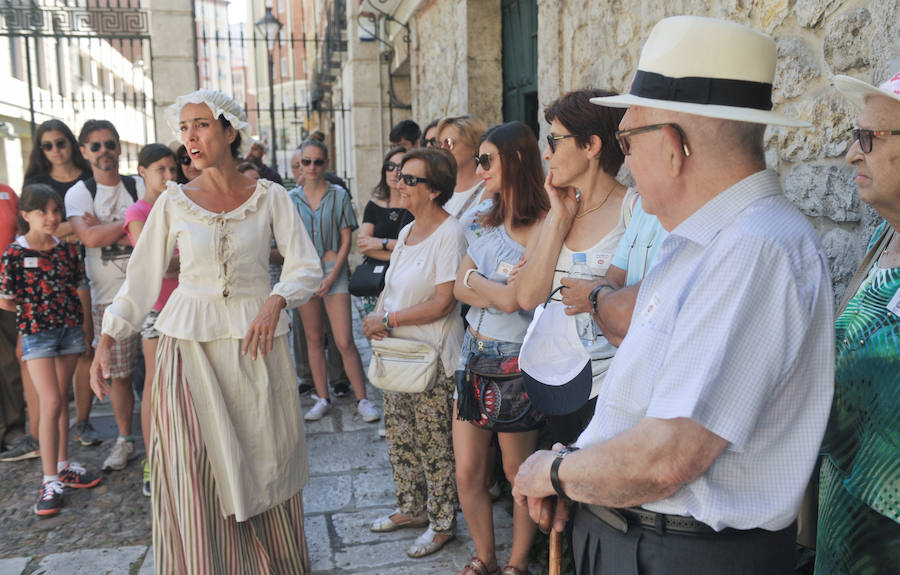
{"points": [[600, 205]]}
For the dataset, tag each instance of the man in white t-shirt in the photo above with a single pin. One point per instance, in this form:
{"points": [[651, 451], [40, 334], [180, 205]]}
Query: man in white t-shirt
{"points": [[96, 207]]}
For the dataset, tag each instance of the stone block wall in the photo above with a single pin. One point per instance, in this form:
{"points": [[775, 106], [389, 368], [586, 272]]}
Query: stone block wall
{"points": [[455, 60], [597, 43]]}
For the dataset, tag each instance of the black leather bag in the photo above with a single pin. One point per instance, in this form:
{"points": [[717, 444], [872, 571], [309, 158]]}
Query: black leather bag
{"points": [[368, 278], [491, 395]]}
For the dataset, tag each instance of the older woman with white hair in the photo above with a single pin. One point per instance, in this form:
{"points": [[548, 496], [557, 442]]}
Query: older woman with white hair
{"points": [[227, 446], [859, 512]]}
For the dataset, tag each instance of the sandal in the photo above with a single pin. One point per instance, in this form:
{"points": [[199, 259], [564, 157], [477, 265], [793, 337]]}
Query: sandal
{"points": [[428, 543], [478, 567], [510, 570], [387, 524]]}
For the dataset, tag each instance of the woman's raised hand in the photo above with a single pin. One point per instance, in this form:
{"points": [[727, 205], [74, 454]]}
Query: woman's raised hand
{"points": [[563, 201], [261, 335]]}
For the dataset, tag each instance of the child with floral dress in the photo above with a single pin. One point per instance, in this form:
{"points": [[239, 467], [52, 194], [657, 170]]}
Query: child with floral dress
{"points": [[43, 281]]}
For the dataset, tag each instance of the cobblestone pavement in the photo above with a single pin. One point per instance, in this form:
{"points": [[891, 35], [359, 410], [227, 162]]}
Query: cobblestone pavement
{"points": [[107, 529]]}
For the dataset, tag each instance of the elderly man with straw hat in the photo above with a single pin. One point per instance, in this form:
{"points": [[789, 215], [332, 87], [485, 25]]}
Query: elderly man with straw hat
{"points": [[707, 426]]}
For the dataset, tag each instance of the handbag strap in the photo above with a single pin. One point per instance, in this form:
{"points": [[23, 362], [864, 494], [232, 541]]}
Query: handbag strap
{"points": [[553, 293], [877, 248]]}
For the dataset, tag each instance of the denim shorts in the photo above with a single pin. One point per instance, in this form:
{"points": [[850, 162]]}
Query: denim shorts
{"points": [[342, 283], [486, 347], [148, 328], [53, 342]]}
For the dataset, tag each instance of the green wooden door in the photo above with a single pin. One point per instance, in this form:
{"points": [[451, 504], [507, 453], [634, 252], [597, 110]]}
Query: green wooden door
{"points": [[520, 44]]}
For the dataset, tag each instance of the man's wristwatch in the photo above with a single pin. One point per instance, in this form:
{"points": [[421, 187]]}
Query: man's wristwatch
{"points": [[386, 320], [384, 242], [595, 293], [554, 470]]}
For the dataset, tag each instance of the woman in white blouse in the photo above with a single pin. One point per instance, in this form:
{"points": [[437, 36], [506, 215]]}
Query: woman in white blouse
{"points": [[418, 303], [227, 447]]}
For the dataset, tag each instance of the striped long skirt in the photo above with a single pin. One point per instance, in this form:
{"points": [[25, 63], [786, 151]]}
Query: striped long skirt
{"points": [[190, 534]]}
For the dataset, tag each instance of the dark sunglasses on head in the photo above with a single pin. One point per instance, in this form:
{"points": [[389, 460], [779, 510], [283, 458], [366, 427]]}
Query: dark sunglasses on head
{"points": [[483, 160], [411, 180], [625, 143], [864, 137], [108, 144], [551, 140], [61, 144], [319, 162], [184, 161], [430, 143], [391, 166]]}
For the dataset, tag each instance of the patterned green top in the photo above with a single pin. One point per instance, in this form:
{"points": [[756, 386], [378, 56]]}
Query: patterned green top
{"points": [[859, 517]]}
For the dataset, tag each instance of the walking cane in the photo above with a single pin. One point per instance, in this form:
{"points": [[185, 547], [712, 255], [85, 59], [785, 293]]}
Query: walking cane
{"points": [[546, 525]]}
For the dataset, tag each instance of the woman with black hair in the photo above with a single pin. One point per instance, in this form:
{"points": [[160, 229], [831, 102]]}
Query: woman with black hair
{"points": [[383, 218], [56, 160]]}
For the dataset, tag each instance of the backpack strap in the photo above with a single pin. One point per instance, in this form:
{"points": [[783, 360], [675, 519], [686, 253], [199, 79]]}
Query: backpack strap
{"points": [[127, 181]]}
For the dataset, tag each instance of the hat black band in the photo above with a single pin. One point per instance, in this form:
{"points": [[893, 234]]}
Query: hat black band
{"points": [[715, 91]]}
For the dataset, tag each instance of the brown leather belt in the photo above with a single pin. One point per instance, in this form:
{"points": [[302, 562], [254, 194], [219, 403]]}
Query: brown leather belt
{"points": [[621, 519]]}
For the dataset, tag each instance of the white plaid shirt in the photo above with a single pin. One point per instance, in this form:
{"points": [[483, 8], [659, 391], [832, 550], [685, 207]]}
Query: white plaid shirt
{"points": [[733, 328]]}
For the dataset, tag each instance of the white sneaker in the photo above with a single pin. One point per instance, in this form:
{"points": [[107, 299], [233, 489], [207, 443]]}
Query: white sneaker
{"points": [[367, 410], [318, 411], [122, 451]]}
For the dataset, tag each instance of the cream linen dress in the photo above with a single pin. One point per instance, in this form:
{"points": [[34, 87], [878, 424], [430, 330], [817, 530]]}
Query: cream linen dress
{"points": [[240, 414]]}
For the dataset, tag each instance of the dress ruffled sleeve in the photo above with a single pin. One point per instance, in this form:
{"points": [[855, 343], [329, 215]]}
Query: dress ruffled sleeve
{"points": [[301, 272], [144, 274]]}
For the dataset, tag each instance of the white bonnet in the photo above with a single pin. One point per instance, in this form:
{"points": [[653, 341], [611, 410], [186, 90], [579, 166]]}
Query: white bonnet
{"points": [[220, 105]]}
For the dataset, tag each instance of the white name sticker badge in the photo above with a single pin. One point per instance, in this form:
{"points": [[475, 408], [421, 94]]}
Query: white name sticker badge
{"points": [[378, 269], [420, 263], [4, 195], [505, 268], [31, 262], [651, 307], [601, 260], [893, 306]]}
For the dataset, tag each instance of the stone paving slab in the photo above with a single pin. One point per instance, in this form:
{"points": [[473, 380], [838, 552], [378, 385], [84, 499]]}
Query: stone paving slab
{"points": [[13, 566], [119, 561]]}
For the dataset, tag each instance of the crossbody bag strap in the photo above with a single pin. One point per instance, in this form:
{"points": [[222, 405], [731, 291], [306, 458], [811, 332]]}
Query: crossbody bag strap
{"points": [[877, 248]]}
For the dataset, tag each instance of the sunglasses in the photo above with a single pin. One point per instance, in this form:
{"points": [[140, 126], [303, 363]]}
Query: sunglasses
{"points": [[448, 143], [864, 137], [61, 144], [391, 166], [184, 161], [108, 144], [551, 140], [483, 160], [319, 162], [623, 136], [430, 143], [411, 180]]}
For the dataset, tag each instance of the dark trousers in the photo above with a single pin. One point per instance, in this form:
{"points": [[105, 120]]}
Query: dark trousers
{"points": [[12, 400], [601, 550]]}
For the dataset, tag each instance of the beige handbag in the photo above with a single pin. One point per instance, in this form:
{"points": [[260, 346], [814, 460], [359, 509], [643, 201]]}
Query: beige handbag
{"points": [[403, 365]]}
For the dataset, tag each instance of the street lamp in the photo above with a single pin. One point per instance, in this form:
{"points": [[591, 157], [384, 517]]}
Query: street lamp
{"points": [[269, 26]]}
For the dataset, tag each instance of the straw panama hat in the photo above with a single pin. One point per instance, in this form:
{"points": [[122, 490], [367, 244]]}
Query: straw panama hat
{"points": [[707, 67], [857, 91]]}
